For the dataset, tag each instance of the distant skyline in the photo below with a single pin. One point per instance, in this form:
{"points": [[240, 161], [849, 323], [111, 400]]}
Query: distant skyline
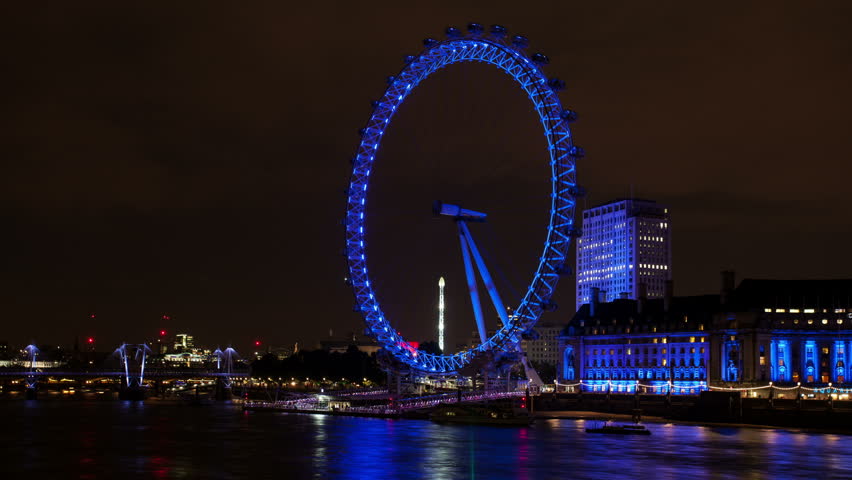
{"points": [[191, 162]]}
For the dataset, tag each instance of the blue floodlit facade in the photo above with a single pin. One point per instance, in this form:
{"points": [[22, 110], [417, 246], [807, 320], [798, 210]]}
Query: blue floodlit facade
{"points": [[626, 243], [494, 47], [779, 331]]}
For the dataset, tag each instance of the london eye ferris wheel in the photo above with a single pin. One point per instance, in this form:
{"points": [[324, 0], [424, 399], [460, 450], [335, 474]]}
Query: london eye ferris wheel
{"points": [[493, 46]]}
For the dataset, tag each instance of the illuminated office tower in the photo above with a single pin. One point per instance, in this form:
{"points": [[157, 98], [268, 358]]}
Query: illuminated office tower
{"points": [[625, 251]]}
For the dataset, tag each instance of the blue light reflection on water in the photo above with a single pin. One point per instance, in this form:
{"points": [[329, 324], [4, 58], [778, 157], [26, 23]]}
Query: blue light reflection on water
{"points": [[108, 439]]}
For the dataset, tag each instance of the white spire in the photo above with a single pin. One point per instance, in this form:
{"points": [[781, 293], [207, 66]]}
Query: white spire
{"points": [[441, 284]]}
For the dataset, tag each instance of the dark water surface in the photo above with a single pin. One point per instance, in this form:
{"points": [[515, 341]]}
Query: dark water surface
{"points": [[79, 439]]}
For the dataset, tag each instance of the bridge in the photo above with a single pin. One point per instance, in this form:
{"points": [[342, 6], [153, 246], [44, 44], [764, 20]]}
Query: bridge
{"points": [[379, 403], [133, 367]]}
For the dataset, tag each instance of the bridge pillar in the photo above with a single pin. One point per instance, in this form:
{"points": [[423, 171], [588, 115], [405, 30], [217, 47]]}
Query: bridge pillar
{"points": [[133, 392], [32, 388], [223, 390]]}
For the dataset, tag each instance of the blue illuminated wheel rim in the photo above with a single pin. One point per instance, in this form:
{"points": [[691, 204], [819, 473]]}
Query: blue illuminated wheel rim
{"points": [[496, 49]]}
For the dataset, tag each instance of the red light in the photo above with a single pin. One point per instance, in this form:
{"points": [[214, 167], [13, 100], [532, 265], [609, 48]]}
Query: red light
{"points": [[162, 333], [90, 340], [166, 317], [92, 316], [257, 343]]}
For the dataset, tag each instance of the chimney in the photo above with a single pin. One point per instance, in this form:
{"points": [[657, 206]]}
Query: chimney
{"points": [[594, 298], [727, 286], [602, 298], [641, 297], [667, 299]]}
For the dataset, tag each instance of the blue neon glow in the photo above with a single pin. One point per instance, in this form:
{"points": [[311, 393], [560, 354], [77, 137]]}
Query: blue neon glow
{"points": [[732, 361], [563, 177]]}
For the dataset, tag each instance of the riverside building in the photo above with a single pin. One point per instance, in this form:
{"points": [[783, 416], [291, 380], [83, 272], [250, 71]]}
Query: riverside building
{"points": [[781, 331], [543, 348]]}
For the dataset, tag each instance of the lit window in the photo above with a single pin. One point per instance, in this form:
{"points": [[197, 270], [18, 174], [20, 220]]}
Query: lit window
{"points": [[794, 310], [810, 321], [809, 310], [691, 339], [779, 310], [767, 310]]}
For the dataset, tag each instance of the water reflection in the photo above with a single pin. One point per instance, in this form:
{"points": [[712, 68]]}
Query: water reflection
{"points": [[107, 440]]}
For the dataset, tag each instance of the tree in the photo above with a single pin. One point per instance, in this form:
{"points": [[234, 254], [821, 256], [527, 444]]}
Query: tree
{"points": [[546, 371]]}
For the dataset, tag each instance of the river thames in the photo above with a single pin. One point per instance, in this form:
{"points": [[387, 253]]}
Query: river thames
{"points": [[102, 439]]}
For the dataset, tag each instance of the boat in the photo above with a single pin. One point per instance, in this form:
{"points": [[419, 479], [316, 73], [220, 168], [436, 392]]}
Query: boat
{"points": [[620, 429], [481, 415]]}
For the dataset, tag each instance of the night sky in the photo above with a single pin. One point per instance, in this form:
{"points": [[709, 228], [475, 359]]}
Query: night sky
{"points": [[191, 159]]}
